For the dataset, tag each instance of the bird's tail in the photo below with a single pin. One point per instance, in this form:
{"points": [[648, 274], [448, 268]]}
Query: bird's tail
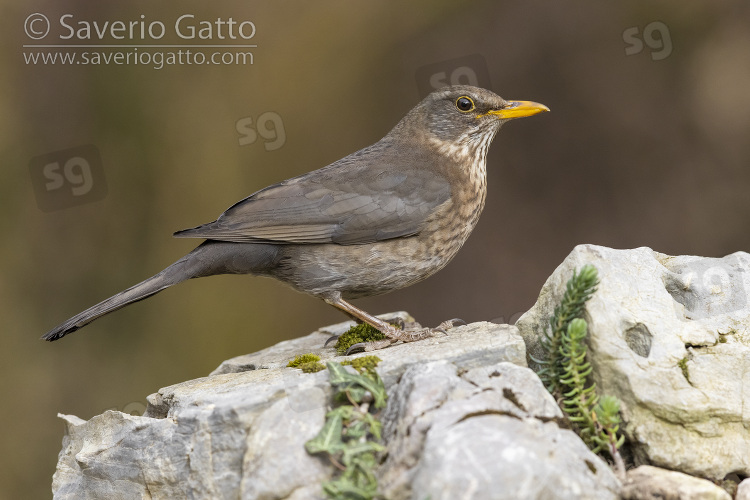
{"points": [[207, 259]]}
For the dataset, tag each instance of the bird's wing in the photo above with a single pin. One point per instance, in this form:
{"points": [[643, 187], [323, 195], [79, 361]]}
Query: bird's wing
{"points": [[353, 201]]}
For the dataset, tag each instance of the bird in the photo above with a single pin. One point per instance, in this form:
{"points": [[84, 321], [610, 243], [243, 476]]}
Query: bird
{"points": [[383, 218]]}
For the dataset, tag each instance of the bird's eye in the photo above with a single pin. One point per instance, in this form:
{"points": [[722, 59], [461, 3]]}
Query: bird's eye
{"points": [[464, 104]]}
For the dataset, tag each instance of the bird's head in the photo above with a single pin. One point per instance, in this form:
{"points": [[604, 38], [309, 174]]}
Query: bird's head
{"points": [[466, 117]]}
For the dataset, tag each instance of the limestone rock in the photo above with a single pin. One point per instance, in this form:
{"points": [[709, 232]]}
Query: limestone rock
{"points": [[670, 337], [487, 433], [241, 434], [468, 346], [648, 483], [743, 490]]}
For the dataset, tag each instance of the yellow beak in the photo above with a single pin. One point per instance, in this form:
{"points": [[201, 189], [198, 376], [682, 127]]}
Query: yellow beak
{"points": [[517, 109]]}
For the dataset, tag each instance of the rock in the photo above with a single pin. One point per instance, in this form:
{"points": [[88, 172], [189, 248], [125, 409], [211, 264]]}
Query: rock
{"points": [[466, 417], [241, 434], [486, 433], [278, 355], [743, 490], [229, 436], [670, 337], [648, 483], [468, 346]]}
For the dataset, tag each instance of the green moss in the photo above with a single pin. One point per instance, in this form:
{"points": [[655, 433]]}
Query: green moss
{"points": [[683, 366], [356, 334], [303, 359], [363, 364], [311, 367]]}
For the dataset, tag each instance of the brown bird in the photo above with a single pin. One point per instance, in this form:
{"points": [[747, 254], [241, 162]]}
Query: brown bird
{"points": [[380, 219]]}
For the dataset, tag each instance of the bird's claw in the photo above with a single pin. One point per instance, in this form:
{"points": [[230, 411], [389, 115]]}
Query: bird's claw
{"points": [[448, 324], [331, 339], [361, 346]]}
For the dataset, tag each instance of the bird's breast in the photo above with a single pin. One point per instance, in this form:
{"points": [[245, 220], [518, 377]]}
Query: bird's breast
{"points": [[450, 226]]}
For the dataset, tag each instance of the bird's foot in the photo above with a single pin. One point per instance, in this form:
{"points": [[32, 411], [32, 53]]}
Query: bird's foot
{"points": [[396, 321], [408, 335]]}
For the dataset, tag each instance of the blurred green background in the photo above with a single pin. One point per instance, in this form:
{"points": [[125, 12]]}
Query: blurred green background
{"points": [[647, 144]]}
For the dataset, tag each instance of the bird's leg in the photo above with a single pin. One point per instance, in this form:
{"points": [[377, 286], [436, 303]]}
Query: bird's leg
{"points": [[389, 331], [334, 338], [394, 334], [400, 323]]}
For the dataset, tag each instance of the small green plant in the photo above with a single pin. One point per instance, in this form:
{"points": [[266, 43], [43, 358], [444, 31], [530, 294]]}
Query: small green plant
{"points": [[578, 291], [361, 332], [308, 363], [352, 430], [607, 413], [565, 371], [597, 420]]}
